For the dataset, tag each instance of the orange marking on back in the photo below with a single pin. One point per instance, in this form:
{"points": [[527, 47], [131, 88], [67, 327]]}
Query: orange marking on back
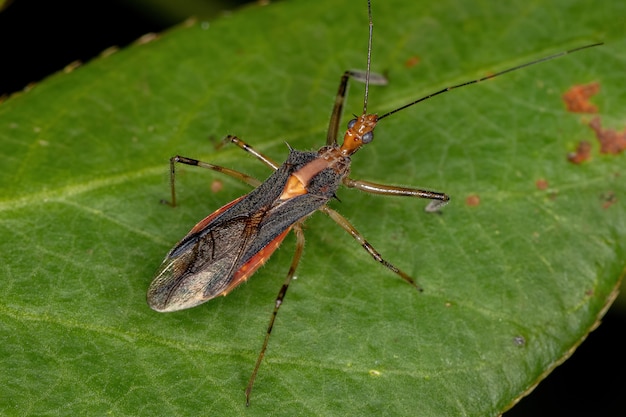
{"points": [[310, 170], [297, 182], [293, 188]]}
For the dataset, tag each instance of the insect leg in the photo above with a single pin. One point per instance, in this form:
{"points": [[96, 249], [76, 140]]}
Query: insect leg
{"points": [[335, 117], [279, 301], [243, 145], [438, 199], [348, 227], [194, 162]]}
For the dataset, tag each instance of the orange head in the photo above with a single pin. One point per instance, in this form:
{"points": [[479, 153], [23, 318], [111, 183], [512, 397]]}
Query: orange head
{"points": [[360, 131]]}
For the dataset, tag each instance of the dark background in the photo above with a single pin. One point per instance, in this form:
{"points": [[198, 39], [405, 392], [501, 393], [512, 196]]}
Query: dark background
{"points": [[40, 37]]}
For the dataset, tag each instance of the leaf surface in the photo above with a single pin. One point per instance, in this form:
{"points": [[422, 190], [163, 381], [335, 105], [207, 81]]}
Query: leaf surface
{"points": [[512, 285]]}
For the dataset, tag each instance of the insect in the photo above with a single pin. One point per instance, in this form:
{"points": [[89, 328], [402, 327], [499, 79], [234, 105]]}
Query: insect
{"points": [[228, 246]]}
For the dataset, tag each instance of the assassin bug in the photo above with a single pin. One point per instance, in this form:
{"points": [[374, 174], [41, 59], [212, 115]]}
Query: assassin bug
{"points": [[229, 245]]}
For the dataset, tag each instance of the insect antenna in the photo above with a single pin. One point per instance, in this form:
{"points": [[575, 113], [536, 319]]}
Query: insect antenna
{"points": [[369, 56], [515, 68]]}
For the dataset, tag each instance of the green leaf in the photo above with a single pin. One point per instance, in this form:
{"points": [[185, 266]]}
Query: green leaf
{"points": [[512, 285]]}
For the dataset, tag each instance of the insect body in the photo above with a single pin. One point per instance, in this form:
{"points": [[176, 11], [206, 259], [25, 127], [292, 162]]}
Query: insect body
{"points": [[228, 246]]}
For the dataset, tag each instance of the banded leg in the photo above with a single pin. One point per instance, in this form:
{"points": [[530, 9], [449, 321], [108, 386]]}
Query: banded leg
{"points": [[335, 117], [348, 227], [279, 301], [230, 172], [438, 199], [258, 155], [194, 162]]}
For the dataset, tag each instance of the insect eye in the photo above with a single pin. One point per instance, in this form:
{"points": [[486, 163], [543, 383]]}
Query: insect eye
{"points": [[367, 137], [351, 123]]}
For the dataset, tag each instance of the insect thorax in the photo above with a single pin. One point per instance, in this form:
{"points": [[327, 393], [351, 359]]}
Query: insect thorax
{"points": [[323, 172]]}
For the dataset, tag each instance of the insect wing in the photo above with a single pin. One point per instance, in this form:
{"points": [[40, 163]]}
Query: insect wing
{"points": [[202, 264], [255, 262], [227, 247]]}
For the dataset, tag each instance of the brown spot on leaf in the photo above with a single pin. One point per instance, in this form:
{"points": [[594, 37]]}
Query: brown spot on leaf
{"points": [[608, 199], [472, 200], [577, 98], [611, 142], [217, 186], [412, 61], [582, 154], [541, 184]]}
